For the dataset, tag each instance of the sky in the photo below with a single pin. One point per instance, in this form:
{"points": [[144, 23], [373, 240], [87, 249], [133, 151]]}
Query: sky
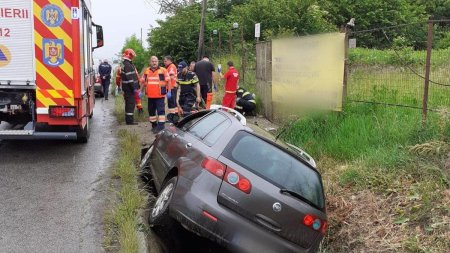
{"points": [[121, 19]]}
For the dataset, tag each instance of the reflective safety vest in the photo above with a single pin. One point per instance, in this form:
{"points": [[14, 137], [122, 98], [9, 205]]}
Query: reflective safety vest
{"points": [[119, 74], [157, 82], [187, 83], [172, 70], [245, 95]]}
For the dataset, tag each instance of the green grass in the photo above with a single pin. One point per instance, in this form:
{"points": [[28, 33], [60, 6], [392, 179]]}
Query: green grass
{"points": [[361, 131], [398, 86], [380, 149], [382, 76], [121, 221], [119, 110], [398, 57]]}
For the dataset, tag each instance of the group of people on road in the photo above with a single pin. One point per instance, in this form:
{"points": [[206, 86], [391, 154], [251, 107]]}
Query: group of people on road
{"points": [[186, 88]]}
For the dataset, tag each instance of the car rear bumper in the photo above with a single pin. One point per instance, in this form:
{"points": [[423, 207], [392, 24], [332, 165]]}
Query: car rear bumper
{"points": [[191, 200], [98, 87]]}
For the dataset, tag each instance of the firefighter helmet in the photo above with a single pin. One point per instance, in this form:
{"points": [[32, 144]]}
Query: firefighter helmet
{"points": [[129, 53]]}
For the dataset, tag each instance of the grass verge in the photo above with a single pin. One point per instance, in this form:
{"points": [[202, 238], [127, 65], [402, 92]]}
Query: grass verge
{"points": [[119, 110], [386, 177], [121, 221]]}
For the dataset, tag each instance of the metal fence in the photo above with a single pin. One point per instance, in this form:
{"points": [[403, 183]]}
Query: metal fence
{"points": [[405, 73]]}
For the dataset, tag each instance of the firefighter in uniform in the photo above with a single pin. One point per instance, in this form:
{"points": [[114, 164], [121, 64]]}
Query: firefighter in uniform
{"points": [[155, 83], [189, 95], [129, 83], [172, 89], [245, 102], [137, 98]]}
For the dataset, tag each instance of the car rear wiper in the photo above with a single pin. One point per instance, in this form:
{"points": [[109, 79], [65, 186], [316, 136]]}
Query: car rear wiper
{"points": [[296, 195]]}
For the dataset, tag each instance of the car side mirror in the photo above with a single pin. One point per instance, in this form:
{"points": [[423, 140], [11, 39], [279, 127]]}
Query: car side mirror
{"points": [[99, 34]]}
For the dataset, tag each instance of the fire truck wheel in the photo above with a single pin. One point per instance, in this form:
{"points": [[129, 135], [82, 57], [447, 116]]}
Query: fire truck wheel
{"points": [[83, 134]]}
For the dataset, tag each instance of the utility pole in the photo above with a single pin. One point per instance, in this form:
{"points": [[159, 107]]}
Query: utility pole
{"points": [[220, 44], [201, 37], [243, 59], [141, 38]]}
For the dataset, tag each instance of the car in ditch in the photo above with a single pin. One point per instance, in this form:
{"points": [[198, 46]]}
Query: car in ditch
{"points": [[236, 184]]}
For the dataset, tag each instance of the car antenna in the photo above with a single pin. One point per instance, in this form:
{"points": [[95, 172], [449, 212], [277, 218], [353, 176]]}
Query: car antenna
{"points": [[286, 126]]}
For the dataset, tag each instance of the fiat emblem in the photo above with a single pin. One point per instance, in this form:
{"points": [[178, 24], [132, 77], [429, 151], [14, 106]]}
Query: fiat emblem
{"points": [[277, 207]]}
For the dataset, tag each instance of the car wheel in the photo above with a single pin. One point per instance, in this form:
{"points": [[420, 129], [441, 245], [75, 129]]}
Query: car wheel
{"points": [[146, 159], [84, 133], [159, 214], [145, 170]]}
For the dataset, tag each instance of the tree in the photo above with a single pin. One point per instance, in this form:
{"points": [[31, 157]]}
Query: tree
{"points": [[170, 6], [436, 9], [141, 54], [222, 8], [177, 35], [292, 17], [371, 14]]}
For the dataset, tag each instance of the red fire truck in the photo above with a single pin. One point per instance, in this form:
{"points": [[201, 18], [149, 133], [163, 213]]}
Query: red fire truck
{"points": [[46, 69]]}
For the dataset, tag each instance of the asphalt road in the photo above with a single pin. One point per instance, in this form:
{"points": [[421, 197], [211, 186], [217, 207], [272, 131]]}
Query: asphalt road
{"points": [[52, 193]]}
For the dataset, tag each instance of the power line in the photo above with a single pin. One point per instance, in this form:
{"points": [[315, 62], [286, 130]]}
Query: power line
{"points": [[149, 3]]}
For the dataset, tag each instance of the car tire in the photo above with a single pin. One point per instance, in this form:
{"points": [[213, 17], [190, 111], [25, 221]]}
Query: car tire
{"points": [[159, 214], [145, 158], [84, 133], [145, 170]]}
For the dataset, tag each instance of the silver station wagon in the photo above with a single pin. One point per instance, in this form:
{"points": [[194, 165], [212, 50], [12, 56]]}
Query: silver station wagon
{"points": [[236, 184]]}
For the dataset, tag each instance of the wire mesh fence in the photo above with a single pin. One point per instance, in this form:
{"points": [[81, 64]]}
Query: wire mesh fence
{"points": [[395, 74]]}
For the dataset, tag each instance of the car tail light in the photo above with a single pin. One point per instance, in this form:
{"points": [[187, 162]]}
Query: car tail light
{"points": [[232, 177], [215, 167], [237, 180], [315, 223], [62, 111]]}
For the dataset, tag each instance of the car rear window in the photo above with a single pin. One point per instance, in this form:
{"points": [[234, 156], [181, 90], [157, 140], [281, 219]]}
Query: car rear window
{"points": [[216, 133], [276, 166], [207, 124]]}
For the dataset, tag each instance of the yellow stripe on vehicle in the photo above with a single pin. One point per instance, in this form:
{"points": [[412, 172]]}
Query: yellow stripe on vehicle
{"points": [[44, 100], [54, 94], [57, 31], [51, 79], [66, 66]]}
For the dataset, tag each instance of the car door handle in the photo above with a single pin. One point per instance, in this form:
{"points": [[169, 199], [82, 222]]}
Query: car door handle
{"points": [[188, 145], [268, 223]]}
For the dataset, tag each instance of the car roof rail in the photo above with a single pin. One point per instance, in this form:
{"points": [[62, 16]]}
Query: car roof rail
{"points": [[304, 155], [237, 114]]}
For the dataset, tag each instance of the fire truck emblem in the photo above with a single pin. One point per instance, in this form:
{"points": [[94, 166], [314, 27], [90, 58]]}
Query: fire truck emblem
{"points": [[52, 15], [5, 56], [53, 51]]}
